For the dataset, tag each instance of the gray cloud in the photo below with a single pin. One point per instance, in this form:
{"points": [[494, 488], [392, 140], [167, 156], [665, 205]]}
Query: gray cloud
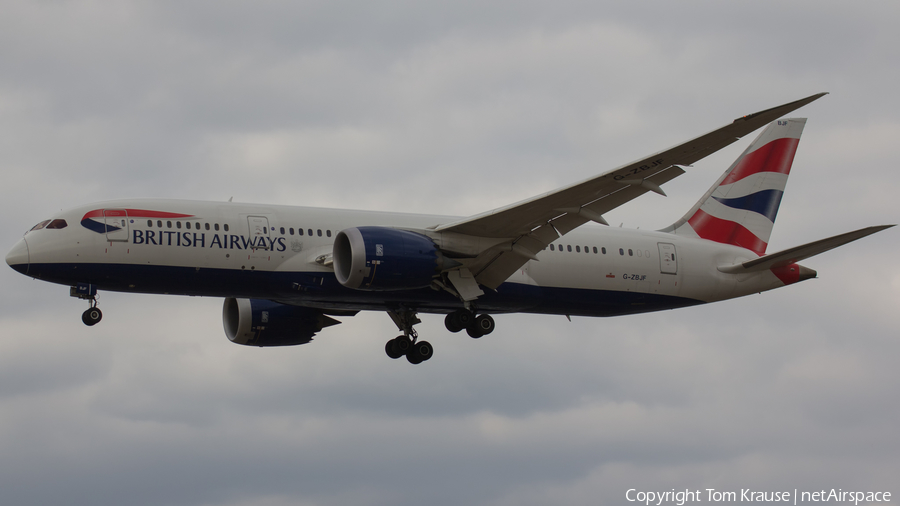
{"points": [[449, 108]]}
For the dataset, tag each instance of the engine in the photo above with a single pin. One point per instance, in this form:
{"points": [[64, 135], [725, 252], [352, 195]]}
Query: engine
{"points": [[255, 322], [381, 259]]}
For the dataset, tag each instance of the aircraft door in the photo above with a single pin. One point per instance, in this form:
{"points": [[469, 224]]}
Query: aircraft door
{"points": [[116, 221], [668, 264], [259, 228]]}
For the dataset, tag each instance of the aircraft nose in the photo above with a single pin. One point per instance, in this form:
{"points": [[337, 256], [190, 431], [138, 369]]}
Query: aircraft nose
{"points": [[17, 258]]}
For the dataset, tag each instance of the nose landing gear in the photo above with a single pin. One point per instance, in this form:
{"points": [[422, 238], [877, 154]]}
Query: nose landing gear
{"points": [[88, 292]]}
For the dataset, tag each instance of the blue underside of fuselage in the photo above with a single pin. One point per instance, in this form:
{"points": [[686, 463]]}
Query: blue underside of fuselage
{"points": [[317, 289]]}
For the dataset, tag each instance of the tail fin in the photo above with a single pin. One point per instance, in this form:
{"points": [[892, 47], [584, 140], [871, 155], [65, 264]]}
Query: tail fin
{"points": [[740, 207]]}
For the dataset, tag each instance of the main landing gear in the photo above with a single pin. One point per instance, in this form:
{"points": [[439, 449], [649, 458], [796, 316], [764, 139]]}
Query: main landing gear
{"points": [[408, 344], [476, 326], [417, 351], [92, 315]]}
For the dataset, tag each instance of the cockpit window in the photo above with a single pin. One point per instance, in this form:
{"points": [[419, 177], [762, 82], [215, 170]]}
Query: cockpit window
{"points": [[48, 224], [39, 225]]}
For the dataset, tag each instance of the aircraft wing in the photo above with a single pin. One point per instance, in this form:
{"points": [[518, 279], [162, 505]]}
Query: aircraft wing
{"points": [[530, 225]]}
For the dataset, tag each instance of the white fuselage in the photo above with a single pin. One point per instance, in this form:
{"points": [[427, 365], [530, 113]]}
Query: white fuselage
{"points": [[282, 253]]}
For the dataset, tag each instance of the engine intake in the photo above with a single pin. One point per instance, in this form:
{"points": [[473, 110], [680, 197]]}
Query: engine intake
{"points": [[255, 322], [382, 259]]}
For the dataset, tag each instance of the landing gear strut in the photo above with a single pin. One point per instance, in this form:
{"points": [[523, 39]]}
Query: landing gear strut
{"points": [[88, 292], [408, 344], [476, 326]]}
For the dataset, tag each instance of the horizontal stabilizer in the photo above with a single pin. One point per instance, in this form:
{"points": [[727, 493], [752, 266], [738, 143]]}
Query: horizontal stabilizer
{"points": [[798, 253]]}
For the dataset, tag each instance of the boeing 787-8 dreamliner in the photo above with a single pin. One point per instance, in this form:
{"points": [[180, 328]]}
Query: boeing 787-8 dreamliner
{"points": [[286, 272]]}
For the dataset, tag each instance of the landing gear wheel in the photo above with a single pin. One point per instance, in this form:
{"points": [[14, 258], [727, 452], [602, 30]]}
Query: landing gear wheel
{"points": [[401, 344], [420, 352], [481, 326], [484, 323], [92, 316], [407, 343], [473, 332], [458, 320], [452, 323], [392, 350]]}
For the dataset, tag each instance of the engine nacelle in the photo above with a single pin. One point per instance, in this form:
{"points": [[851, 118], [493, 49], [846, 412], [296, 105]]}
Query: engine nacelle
{"points": [[381, 259], [255, 322]]}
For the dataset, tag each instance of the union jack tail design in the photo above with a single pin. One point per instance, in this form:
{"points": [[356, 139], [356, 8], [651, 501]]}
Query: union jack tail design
{"points": [[741, 206]]}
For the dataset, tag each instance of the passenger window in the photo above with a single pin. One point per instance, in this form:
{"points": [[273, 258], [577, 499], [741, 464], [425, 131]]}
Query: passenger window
{"points": [[216, 227], [577, 249], [159, 223], [569, 248], [328, 233], [282, 230], [621, 252], [150, 223], [595, 250], [551, 248], [630, 253], [319, 232], [226, 227], [168, 224], [586, 250], [299, 231], [291, 230], [177, 224], [206, 226], [603, 250]]}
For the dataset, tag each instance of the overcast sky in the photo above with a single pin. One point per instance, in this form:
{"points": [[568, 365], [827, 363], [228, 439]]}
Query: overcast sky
{"points": [[447, 108]]}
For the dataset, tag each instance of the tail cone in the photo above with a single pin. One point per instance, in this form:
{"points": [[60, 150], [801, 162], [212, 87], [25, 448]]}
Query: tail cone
{"points": [[806, 273]]}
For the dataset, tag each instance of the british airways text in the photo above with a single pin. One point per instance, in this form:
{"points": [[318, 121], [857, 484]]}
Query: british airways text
{"points": [[199, 240]]}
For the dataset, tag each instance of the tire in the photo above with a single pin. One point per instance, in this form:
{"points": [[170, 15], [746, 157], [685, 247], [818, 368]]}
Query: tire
{"points": [[92, 316], [474, 332], [391, 349], [420, 352], [451, 321], [464, 317], [485, 324], [402, 344]]}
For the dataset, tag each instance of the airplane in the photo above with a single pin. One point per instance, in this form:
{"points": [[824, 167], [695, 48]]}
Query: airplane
{"points": [[287, 272]]}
